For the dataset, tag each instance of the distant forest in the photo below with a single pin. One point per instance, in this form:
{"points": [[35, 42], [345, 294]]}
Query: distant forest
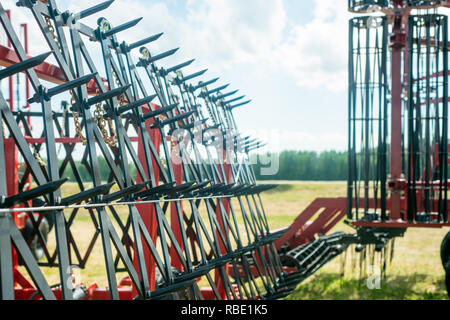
{"points": [[84, 173], [293, 165], [307, 165]]}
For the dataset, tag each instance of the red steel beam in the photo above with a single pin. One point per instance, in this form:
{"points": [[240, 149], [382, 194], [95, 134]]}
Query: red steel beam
{"points": [[44, 71]]}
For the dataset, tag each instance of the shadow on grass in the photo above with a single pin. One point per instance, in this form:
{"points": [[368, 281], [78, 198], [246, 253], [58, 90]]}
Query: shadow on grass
{"points": [[281, 188], [331, 286]]}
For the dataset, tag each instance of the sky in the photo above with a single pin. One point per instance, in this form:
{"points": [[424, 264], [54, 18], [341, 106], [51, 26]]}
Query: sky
{"points": [[288, 56]]}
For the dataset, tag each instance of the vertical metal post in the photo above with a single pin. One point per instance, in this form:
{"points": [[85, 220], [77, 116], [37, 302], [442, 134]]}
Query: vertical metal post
{"points": [[397, 49]]}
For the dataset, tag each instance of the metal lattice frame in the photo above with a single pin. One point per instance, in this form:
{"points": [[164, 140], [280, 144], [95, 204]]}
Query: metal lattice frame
{"points": [[427, 118], [398, 117], [190, 245]]}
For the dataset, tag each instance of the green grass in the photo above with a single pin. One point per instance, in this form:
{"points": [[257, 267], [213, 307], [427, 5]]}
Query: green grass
{"points": [[415, 273]]}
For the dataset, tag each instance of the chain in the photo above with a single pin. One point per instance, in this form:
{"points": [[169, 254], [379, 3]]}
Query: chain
{"points": [[113, 131], [76, 120], [99, 118], [64, 115], [65, 112], [39, 159], [48, 21], [121, 98]]}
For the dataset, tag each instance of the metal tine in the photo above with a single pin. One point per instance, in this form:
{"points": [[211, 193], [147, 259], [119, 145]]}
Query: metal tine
{"points": [[142, 42], [246, 143], [33, 193], [192, 76], [171, 288], [24, 65], [179, 66], [234, 100], [107, 95], [62, 88], [201, 84], [256, 147], [92, 10], [87, 194], [207, 93], [197, 187], [122, 27], [225, 95], [159, 56], [181, 187], [239, 104], [192, 124], [125, 192], [159, 111], [172, 120], [252, 144], [70, 85], [244, 138], [153, 191], [136, 104]]}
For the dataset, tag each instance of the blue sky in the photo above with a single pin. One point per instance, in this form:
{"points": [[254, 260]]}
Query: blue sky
{"points": [[288, 56]]}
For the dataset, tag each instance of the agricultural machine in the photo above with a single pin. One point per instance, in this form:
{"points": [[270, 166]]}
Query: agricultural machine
{"points": [[180, 214]]}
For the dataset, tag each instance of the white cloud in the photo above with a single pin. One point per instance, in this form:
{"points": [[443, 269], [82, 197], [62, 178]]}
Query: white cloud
{"points": [[226, 33], [228, 36], [315, 54]]}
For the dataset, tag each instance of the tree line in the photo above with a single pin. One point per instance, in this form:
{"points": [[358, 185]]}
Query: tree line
{"points": [[292, 165], [305, 165], [84, 173]]}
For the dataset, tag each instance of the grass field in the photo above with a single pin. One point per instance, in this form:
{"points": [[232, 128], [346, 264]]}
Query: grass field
{"points": [[415, 273]]}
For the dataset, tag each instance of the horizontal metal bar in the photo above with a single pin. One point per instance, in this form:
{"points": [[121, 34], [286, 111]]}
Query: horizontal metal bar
{"points": [[100, 205]]}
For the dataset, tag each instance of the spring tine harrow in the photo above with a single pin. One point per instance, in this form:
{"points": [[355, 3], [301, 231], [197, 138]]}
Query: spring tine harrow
{"points": [[212, 218], [154, 113], [162, 242]]}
